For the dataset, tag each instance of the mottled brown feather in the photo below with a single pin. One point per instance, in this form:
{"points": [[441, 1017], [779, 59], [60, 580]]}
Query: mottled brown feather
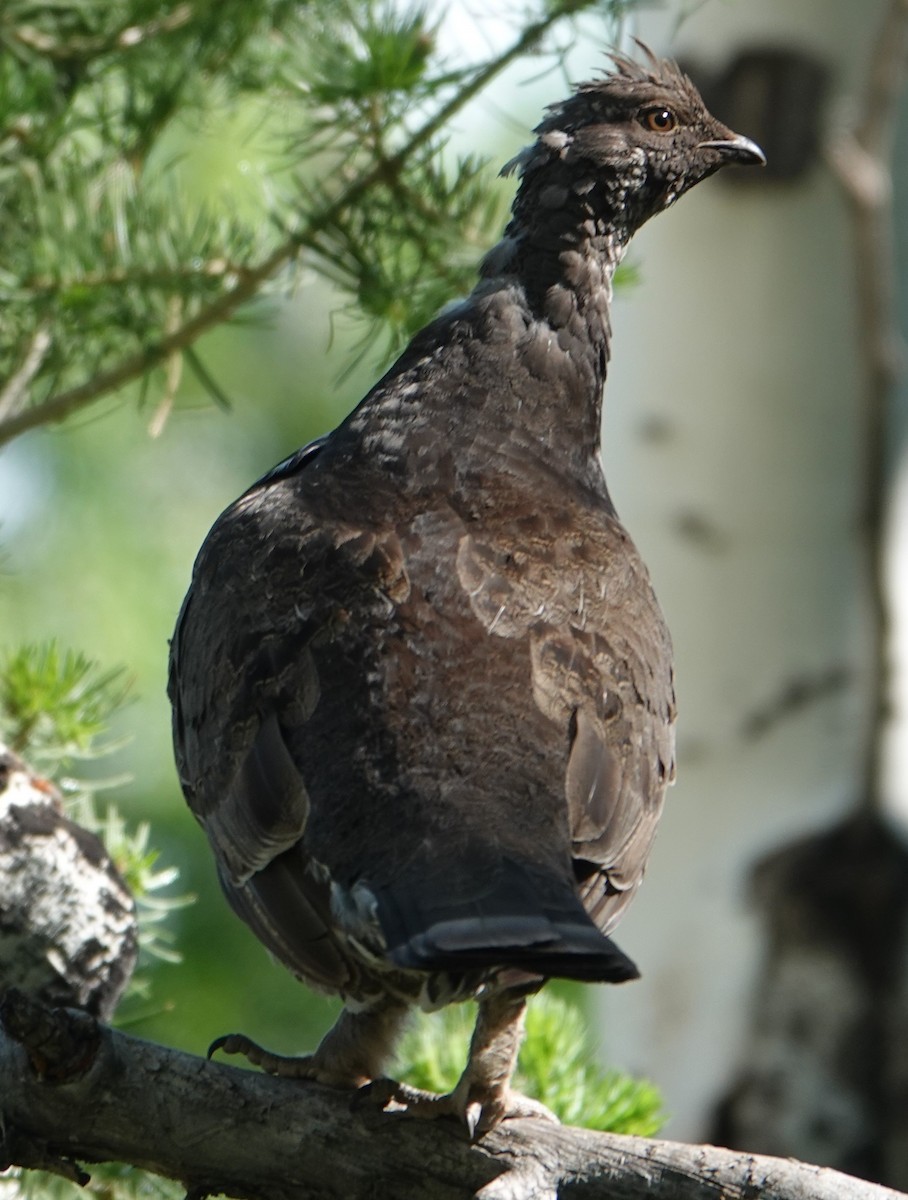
{"points": [[422, 689]]}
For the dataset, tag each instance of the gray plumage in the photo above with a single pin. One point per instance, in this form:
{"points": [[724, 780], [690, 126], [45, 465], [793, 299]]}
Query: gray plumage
{"points": [[422, 689]]}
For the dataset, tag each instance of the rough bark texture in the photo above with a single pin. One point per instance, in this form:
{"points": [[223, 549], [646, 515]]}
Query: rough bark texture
{"points": [[68, 929], [73, 1090]]}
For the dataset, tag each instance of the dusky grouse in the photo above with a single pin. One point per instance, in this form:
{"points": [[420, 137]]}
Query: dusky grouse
{"points": [[422, 689]]}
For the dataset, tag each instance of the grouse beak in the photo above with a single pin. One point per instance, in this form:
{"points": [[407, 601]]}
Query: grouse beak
{"points": [[737, 149]]}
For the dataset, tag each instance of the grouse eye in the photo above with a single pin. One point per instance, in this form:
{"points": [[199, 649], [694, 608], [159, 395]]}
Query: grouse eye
{"points": [[659, 120]]}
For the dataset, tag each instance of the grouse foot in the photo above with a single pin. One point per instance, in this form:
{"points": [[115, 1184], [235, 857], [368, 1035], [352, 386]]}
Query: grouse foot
{"points": [[478, 1111], [350, 1055], [305, 1066], [483, 1096]]}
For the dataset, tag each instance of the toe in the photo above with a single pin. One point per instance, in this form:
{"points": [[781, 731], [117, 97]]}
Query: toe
{"points": [[477, 1111], [482, 1113], [519, 1105], [272, 1064]]}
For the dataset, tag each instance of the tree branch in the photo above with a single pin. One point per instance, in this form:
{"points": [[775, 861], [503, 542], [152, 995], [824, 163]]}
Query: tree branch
{"points": [[13, 394], [252, 279], [77, 1091], [84, 47]]}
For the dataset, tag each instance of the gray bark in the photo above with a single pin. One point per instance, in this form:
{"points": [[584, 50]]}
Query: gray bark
{"points": [[76, 1091], [68, 930]]}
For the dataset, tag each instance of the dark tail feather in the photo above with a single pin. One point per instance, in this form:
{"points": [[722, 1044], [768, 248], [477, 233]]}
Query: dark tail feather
{"points": [[515, 920]]}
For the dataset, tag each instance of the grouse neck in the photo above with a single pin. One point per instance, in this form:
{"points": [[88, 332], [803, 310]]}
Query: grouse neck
{"points": [[564, 243], [532, 340], [574, 279], [556, 263]]}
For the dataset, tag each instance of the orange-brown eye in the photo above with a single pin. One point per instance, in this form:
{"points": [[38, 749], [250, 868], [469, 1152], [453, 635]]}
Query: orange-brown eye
{"points": [[659, 120]]}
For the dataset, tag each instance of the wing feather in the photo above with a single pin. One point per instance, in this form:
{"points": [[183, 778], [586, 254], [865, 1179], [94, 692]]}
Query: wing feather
{"points": [[328, 678], [601, 670]]}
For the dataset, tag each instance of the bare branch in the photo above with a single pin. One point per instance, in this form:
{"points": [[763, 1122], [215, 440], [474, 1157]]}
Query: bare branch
{"points": [[75, 1091]]}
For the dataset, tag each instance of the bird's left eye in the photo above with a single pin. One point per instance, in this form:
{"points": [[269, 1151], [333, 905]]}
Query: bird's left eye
{"points": [[659, 120]]}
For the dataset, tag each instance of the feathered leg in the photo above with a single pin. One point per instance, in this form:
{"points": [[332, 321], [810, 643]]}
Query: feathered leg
{"points": [[483, 1095], [351, 1054]]}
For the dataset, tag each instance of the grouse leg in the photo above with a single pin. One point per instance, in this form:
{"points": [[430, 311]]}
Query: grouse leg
{"points": [[483, 1095], [351, 1054]]}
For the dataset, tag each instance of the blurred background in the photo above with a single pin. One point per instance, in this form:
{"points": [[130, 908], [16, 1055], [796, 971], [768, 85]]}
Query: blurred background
{"points": [[736, 448]]}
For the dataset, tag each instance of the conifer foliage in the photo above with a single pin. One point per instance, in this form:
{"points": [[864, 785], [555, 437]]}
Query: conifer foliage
{"points": [[111, 270]]}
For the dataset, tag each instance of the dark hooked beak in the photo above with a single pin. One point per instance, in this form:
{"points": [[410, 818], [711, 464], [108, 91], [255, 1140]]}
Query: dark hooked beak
{"points": [[737, 149]]}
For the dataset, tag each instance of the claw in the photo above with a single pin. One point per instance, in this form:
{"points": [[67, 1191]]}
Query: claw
{"points": [[472, 1115], [303, 1067], [225, 1043], [477, 1114], [376, 1094]]}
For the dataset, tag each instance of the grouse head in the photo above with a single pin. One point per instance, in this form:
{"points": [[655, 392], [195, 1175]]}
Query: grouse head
{"points": [[628, 145]]}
